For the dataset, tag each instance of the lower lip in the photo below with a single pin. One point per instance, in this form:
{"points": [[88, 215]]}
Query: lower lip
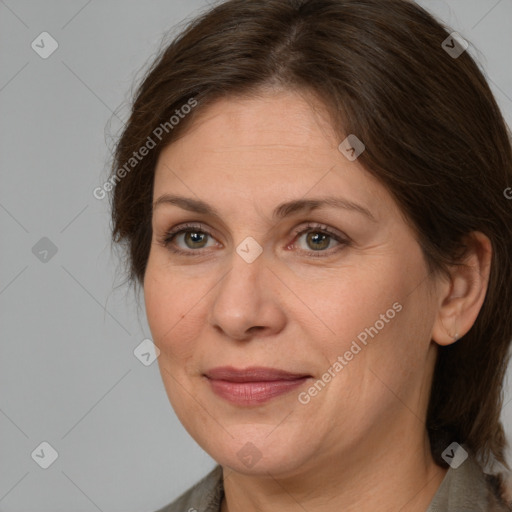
{"points": [[253, 393]]}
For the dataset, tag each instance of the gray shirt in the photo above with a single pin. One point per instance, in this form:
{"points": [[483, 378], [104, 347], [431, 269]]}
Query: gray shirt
{"points": [[465, 489]]}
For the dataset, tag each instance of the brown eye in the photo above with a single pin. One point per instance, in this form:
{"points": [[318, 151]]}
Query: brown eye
{"points": [[318, 240], [187, 240], [195, 239], [191, 240]]}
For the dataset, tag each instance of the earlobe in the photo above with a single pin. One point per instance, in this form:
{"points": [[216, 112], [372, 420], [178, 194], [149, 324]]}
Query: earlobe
{"points": [[464, 294]]}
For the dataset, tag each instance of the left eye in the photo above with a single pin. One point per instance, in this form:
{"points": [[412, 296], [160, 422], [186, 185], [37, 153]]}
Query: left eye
{"points": [[316, 240], [194, 239], [319, 240], [190, 239]]}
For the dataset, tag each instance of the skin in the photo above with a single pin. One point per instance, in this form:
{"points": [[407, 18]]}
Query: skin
{"points": [[361, 443]]}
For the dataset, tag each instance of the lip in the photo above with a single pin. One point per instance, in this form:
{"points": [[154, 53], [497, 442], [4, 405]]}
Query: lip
{"points": [[254, 385], [252, 374]]}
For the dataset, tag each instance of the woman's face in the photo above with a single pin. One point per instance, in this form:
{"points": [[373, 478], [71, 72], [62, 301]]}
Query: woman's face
{"points": [[335, 293]]}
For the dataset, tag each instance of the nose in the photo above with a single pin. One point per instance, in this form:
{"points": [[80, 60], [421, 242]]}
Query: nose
{"points": [[246, 301]]}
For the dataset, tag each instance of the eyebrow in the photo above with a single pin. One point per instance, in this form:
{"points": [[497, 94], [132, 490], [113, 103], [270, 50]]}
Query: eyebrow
{"points": [[280, 212]]}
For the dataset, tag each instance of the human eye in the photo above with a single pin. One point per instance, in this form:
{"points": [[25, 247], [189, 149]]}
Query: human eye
{"points": [[319, 239], [193, 238]]}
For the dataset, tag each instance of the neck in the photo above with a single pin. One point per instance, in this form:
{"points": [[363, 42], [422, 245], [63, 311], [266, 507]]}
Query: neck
{"points": [[402, 478]]}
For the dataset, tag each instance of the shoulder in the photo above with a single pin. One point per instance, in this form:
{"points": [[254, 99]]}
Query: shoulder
{"points": [[501, 485], [468, 487], [205, 496]]}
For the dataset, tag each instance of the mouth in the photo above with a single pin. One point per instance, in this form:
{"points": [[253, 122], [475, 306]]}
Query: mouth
{"points": [[254, 385]]}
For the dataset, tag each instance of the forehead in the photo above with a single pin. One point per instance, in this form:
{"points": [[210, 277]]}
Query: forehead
{"points": [[257, 119], [280, 144], [280, 124]]}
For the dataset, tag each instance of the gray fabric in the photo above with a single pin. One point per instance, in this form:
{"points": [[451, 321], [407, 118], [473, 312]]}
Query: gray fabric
{"points": [[205, 496], [465, 489]]}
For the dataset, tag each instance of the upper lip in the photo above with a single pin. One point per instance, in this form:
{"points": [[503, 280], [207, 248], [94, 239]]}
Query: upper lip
{"points": [[252, 374]]}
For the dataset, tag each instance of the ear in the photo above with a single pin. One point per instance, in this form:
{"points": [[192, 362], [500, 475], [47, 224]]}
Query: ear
{"points": [[462, 295]]}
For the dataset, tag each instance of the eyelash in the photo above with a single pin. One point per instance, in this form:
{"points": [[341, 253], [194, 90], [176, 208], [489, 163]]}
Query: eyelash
{"points": [[170, 235]]}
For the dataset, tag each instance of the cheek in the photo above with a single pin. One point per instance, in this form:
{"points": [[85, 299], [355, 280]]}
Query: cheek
{"points": [[170, 314], [356, 298], [381, 303]]}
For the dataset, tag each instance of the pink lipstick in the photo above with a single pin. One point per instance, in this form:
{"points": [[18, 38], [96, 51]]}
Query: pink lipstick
{"points": [[254, 385]]}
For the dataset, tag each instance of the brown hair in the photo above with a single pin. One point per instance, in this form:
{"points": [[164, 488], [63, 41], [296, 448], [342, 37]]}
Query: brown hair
{"points": [[434, 137]]}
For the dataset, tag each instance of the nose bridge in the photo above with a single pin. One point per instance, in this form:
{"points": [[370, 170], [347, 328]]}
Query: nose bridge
{"points": [[242, 283], [244, 297]]}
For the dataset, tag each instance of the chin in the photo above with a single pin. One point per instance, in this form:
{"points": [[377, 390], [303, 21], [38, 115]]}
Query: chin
{"points": [[253, 451]]}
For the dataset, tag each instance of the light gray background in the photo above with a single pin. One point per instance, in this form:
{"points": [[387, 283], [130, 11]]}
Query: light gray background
{"points": [[68, 374]]}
